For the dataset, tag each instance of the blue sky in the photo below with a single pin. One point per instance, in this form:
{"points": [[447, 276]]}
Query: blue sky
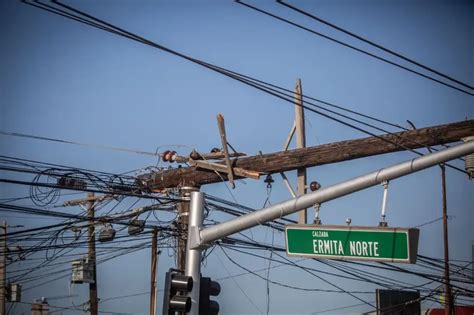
{"points": [[64, 80]]}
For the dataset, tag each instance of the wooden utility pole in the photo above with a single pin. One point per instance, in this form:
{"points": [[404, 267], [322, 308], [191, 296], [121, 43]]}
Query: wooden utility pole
{"points": [[225, 149], [316, 155], [300, 144], [154, 262], [94, 307], [447, 291], [3, 270]]}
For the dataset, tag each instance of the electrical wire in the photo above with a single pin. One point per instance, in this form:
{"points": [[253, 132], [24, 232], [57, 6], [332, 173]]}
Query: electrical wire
{"points": [[354, 48], [372, 43], [22, 135], [116, 30]]}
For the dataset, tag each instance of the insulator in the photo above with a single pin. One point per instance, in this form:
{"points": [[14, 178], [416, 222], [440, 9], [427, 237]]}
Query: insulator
{"points": [[269, 179], [215, 150], [313, 186], [169, 156], [195, 155], [172, 157], [165, 155]]}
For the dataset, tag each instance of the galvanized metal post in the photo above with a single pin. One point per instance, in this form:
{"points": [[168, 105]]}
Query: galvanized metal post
{"points": [[193, 256], [183, 212]]}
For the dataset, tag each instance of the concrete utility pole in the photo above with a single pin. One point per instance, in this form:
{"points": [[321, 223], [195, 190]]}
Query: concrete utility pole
{"points": [[3, 268], [154, 262], [92, 255], [300, 144], [447, 291], [316, 155]]}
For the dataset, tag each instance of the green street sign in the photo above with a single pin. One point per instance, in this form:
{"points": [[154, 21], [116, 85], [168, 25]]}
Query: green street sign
{"points": [[353, 242]]}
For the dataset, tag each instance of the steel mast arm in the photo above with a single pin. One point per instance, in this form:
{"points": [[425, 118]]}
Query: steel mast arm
{"points": [[276, 211]]}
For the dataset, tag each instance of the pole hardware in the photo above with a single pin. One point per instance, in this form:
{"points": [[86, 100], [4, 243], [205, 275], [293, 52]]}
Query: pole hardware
{"points": [[314, 185], [382, 222], [269, 180], [317, 207], [220, 168]]}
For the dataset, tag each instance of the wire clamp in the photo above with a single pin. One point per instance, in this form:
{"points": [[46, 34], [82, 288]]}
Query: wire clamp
{"points": [[382, 222]]}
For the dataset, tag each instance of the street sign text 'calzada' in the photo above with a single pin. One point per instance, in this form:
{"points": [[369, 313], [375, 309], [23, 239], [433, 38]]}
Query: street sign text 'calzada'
{"points": [[353, 243]]}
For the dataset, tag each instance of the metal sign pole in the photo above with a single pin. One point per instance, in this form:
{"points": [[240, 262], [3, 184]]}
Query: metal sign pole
{"points": [[193, 256]]}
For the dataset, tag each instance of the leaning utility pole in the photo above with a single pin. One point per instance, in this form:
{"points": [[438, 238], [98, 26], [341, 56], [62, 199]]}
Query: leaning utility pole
{"points": [[3, 269], [154, 262], [300, 144], [447, 292], [255, 218], [200, 237], [313, 156], [92, 254]]}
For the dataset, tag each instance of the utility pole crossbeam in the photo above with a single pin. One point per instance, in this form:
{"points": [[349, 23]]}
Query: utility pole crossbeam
{"points": [[317, 155], [300, 144], [225, 149], [219, 231]]}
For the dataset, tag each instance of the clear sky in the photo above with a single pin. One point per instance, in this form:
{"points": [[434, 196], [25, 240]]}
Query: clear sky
{"points": [[65, 80]]}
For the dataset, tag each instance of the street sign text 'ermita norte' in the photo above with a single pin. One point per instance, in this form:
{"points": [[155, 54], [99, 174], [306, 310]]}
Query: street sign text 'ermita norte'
{"points": [[353, 242]]}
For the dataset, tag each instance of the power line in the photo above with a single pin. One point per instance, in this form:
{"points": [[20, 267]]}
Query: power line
{"points": [[121, 32], [22, 135], [352, 47], [372, 43]]}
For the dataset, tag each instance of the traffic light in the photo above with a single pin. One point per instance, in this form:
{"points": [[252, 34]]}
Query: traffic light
{"points": [[208, 288], [176, 283]]}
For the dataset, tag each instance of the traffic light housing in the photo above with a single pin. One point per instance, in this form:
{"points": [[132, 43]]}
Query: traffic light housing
{"points": [[177, 285], [207, 289]]}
